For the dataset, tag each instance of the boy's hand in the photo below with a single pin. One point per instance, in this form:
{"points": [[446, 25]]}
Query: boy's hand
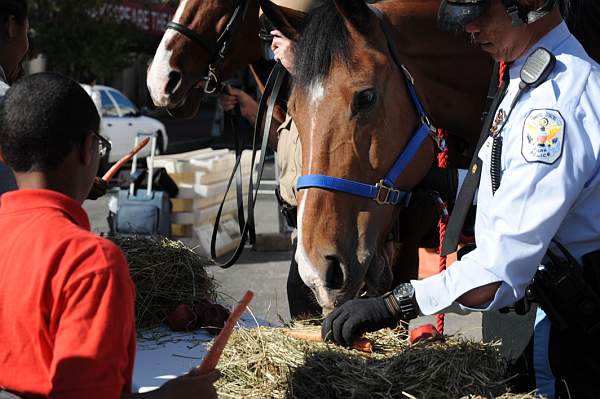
{"points": [[99, 188], [191, 387]]}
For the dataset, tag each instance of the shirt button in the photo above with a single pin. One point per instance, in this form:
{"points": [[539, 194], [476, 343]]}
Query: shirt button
{"points": [[434, 302]]}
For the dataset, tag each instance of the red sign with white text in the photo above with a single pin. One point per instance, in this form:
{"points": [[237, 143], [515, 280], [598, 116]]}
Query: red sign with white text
{"points": [[151, 18]]}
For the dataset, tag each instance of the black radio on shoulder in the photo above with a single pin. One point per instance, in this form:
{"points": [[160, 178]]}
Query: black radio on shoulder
{"points": [[535, 71]]}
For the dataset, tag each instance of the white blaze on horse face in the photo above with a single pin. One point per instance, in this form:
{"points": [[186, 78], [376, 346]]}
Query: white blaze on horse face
{"points": [[158, 74], [308, 272], [316, 92]]}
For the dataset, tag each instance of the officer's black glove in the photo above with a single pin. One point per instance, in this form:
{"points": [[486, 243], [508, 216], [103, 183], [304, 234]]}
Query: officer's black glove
{"points": [[356, 317], [99, 188]]}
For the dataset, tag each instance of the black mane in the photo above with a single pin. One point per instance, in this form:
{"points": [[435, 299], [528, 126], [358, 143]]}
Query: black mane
{"points": [[583, 18], [323, 40]]}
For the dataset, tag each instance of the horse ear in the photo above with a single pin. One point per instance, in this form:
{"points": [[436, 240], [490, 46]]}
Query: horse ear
{"points": [[286, 20], [356, 12]]}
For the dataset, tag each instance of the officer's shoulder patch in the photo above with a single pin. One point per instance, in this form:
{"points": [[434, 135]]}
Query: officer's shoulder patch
{"points": [[543, 136]]}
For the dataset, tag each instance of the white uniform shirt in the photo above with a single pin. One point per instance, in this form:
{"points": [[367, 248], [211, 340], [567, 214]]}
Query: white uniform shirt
{"points": [[3, 85], [550, 182], [7, 178]]}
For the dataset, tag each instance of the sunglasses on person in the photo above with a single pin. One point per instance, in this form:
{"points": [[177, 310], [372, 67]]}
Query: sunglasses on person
{"points": [[104, 145]]}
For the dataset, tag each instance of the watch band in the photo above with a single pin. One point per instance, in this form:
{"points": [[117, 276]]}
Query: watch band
{"points": [[408, 308], [401, 302], [392, 305]]}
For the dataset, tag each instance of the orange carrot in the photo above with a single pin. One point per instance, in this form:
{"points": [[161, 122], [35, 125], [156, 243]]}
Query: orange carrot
{"points": [[360, 344], [115, 168], [214, 354]]}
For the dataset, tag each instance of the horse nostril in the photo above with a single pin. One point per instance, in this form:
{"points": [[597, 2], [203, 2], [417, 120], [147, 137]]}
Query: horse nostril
{"points": [[334, 275], [174, 82]]}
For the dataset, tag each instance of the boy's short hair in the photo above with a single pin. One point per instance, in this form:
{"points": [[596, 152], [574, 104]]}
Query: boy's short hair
{"points": [[42, 117], [18, 8]]}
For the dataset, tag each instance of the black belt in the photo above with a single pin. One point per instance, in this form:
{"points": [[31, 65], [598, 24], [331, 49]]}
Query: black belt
{"points": [[289, 212]]}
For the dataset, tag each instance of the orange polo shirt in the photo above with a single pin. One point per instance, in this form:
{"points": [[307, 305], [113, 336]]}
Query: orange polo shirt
{"points": [[67, 325]]}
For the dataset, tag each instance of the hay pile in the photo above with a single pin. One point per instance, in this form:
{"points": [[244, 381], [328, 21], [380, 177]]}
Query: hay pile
{"points": [[166, 273], [266, 363]]}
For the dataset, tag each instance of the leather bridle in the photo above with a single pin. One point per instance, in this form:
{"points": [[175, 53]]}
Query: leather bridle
{"points": [[217, 50]]}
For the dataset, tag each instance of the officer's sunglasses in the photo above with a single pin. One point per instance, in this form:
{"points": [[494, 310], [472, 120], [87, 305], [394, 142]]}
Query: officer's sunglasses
{"points": [[104, 145]]}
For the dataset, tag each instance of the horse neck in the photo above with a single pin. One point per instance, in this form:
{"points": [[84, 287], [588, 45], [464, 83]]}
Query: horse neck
{"points": [[451, 75]]}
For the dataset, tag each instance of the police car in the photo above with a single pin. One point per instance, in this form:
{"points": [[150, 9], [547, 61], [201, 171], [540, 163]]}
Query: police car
{"points": [[122, 121]]}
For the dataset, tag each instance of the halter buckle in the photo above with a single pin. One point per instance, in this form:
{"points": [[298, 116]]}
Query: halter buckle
{"points": [[407, 74], [212, 82], [427, 122], [223, 50], [383, 193], [440, 142], [433, 133]]}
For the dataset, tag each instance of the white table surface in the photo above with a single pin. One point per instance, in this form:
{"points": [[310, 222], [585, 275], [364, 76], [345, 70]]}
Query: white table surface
{"points": [[162, 355]]}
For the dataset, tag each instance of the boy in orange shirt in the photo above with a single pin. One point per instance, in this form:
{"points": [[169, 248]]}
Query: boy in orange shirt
{"points": [[66, 297]]}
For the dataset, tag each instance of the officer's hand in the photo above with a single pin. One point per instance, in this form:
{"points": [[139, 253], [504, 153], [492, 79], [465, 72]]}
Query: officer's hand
{"points": [[356, 317], [99, 188], [232, 97], [227, 101], [189, 386], [284, 50]]}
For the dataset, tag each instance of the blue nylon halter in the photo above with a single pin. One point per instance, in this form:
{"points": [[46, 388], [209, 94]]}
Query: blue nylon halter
{"points": [[382, 192]]}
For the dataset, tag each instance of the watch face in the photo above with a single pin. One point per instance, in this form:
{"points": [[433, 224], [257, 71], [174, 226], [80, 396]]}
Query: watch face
{"points": [[405, 296], [406, 290]]}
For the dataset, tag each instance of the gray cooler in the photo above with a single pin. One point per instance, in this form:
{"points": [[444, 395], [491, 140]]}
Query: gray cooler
{"points": [[143, 212]]}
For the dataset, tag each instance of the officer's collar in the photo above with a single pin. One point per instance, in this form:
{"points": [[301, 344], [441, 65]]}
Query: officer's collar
{"points": [[3, 75], [551, 41]]}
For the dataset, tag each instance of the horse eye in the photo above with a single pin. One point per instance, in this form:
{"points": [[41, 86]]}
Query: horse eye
{"points": [[363, 100]]}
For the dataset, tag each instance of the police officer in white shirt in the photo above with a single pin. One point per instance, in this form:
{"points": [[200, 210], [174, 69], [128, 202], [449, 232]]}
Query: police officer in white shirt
{"points": [[546, 189]]}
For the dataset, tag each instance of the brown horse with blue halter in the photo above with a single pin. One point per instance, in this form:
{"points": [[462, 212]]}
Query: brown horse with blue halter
{"points": [[453, 94], [365, 124], [356, 112]]}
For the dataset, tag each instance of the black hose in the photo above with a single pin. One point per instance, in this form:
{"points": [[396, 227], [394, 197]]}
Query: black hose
{"points": [[496, 163]]}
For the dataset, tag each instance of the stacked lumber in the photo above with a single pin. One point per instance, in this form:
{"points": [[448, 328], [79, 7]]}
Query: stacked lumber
{"points": [[202, 178]]}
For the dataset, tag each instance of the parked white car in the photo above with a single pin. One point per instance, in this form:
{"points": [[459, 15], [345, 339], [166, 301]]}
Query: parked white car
{"points": [[122, 121]]}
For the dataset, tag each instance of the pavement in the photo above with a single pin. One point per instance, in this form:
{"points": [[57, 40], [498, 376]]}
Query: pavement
{"points": [[265, 272]]}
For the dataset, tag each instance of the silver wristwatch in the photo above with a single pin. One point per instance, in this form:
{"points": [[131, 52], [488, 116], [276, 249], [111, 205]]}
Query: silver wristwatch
{"points": [[401, 302]]}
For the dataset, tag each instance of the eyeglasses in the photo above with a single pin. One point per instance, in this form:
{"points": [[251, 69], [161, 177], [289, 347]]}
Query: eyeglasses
{"points": [[104, 145]]}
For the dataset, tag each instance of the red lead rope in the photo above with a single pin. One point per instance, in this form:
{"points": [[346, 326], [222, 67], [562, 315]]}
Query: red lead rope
{"points": [[503, 66], [443, 212]]}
